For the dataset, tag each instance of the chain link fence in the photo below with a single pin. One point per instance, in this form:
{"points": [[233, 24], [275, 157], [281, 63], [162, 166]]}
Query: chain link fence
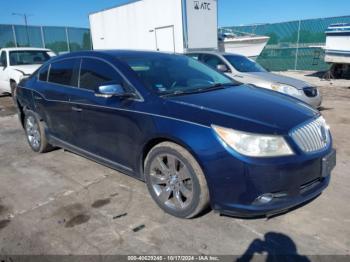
{"points": [[294, 45], [58, 39]]}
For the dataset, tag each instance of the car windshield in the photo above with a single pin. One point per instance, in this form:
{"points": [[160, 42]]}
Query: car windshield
{"points": [[176, 74], [28, 57], [244, 64]]}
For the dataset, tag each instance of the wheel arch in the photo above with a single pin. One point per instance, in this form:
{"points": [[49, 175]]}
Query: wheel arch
{"points": [[25, 103], [15, 76], [21, 112], [151, 143]]}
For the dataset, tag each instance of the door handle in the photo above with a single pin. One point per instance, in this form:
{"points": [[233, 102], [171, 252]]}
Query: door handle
{"points": [[38, 97], [77, 109]]}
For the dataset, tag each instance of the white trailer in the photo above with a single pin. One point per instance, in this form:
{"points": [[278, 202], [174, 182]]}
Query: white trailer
{"points": [[162, 25], [337, 49], [338, 44]]}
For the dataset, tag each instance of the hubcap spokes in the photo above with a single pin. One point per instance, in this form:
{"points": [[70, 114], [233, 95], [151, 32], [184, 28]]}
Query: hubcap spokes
{"points": [[171, 181], [33, 133]]}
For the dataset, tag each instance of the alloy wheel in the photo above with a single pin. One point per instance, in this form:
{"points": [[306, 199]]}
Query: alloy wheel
{"points": [[171, 181], [33, 132]]}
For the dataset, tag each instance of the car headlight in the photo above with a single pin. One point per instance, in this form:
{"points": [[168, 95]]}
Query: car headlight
{"points": [[254, 145], [286, 89]]}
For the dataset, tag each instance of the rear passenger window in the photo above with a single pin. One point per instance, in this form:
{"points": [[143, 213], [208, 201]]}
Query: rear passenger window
{"points": [[43, 73], [94, 73], [64, 72]]}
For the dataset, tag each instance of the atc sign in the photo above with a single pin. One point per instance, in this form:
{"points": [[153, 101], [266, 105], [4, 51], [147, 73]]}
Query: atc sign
{"points": [[198, 5]]}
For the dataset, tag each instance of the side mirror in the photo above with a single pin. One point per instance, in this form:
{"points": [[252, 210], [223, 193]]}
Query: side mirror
{"points": [[222, 68], [111, 89]]}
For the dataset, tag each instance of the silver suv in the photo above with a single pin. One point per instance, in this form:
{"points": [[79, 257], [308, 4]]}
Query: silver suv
{"points": [[247, 71]]}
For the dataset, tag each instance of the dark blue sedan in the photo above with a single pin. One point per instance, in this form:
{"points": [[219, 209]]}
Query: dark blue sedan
{"points": [[193, 135]]}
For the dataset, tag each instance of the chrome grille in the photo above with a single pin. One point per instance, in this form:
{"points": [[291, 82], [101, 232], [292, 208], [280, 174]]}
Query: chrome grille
{"points": [[313, 136]]}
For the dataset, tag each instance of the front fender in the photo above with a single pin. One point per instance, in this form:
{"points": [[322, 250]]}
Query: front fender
{"points": [[198, 139]]}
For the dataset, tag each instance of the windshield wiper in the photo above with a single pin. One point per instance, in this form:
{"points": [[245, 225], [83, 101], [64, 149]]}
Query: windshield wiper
{"points": [[217, 85], [212, 87], [175, 93]]}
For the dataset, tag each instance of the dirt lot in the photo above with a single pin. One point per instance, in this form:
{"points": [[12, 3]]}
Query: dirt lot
{"points": [[60, 203]]}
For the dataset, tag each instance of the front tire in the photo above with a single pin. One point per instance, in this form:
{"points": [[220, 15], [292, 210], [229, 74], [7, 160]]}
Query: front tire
{"points": [[35, 133], [176, 181]]}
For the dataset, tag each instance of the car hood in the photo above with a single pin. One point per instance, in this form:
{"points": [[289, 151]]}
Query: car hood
{"points": [[245, 108], [26, 69], [275, 78]]}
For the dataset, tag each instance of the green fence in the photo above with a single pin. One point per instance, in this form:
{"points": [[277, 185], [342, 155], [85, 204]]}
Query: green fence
{"points": [[293, 45], [59, 39]]}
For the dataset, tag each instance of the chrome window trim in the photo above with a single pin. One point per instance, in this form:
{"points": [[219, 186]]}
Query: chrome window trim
{"points": [[48, 74], [139, 98]]}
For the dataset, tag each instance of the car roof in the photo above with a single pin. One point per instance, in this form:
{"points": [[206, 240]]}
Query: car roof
{"points": [[123, 53], [113, 54], [25, 49], [212, 53]]}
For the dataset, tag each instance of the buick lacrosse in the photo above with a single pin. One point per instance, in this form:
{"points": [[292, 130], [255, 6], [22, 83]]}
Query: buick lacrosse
{"points": [[195, 137]]}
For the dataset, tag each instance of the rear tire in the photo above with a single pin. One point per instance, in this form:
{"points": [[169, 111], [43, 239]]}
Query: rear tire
{"points": [[176, 181], [35, 133]]}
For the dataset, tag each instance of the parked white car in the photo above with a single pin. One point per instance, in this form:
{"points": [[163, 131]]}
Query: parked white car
{"points": [[18, 63], [247, 71]]}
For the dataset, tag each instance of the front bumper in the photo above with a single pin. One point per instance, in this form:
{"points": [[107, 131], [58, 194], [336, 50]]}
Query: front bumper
{"points": [[278, 204], [288, 184], [315, 102]]}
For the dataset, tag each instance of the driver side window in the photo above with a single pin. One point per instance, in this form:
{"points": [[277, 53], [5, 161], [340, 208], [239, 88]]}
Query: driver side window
{"points": [[94, 73]]}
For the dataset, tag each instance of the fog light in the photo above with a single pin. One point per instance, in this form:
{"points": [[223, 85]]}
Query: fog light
{"points": [[264, 199]]}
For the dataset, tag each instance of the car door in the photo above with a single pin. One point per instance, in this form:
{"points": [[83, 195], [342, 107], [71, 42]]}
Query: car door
{"points": [[103, 126], [55, 82]]}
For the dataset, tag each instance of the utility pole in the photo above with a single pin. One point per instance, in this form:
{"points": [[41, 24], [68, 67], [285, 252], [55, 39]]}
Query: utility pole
{"points": [[297, 50], [25, 16]]}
